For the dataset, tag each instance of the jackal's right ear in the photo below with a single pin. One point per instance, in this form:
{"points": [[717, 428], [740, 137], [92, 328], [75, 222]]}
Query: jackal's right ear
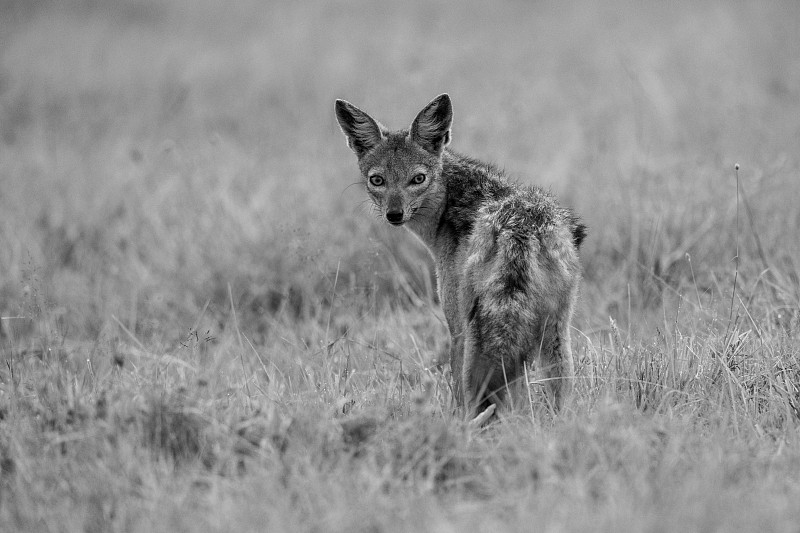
{"points": [[431, 128], [361, 130]]}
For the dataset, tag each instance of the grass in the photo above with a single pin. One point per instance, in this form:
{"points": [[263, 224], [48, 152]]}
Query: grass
{"points": [[202, 329]]}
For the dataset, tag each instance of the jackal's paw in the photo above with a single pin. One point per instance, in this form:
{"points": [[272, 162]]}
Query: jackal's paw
{"points": [[481, 419]]}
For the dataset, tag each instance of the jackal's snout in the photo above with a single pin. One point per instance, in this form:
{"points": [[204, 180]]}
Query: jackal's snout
{"points": [[394, 209], [395, 217]]}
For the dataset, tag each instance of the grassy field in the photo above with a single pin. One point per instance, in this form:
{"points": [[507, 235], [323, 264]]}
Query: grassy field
{"points": [[203, 329]]}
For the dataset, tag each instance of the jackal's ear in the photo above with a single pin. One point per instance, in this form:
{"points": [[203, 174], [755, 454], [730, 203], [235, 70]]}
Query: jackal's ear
{"points": [[361, 130], [431, 128]]}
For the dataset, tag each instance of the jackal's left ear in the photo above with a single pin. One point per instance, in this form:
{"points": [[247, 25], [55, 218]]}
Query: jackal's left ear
{"points": [[431, 128], [362, 131]]}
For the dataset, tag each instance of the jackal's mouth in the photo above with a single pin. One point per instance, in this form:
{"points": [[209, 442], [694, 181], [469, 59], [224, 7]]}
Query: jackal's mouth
{"points": [[397, 223]]}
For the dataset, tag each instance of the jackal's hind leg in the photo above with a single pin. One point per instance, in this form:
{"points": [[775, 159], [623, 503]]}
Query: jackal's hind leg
{"points": [[556, 362], [483, 378]]}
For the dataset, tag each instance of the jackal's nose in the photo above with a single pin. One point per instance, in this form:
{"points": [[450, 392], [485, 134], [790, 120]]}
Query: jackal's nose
{"points": [[395, 217]]}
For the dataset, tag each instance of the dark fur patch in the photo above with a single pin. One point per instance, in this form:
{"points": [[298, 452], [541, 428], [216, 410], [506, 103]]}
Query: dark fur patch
{"points": [[470, 178], [473, 311], [515, 280], [578, 232]]}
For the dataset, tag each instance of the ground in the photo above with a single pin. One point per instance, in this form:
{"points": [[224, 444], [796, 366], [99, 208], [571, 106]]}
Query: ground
{"points": [[204, 329]]}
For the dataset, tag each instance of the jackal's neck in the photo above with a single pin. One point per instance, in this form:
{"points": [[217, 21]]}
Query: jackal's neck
{"points": [[465, 184]]}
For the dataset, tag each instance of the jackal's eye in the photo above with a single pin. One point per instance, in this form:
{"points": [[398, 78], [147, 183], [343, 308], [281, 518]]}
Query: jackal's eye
{"points": [[418, 178], [376, 180]]}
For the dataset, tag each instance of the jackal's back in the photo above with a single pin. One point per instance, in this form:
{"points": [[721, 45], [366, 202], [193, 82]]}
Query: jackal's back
{"points": [[522, 247], [508, 278]]}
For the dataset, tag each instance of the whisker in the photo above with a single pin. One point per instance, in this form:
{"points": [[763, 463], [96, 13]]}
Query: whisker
{"points": [[351, 185]]}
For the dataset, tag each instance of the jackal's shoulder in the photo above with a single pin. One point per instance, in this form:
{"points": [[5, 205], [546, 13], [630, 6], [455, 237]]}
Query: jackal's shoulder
{"points": [[480, 193]]}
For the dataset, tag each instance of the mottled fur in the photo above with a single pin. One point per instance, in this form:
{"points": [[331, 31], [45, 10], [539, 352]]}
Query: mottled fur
{"points": [[506, 255]]}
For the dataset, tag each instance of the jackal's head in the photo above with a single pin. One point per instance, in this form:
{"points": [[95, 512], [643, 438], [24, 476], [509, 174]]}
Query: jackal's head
{"points": [[401, 169]]}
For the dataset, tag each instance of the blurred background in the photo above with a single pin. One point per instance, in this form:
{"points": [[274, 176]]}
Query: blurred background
{"points": [[158, 157]]}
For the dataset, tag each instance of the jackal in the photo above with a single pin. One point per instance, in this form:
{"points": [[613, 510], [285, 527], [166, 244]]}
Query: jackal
{"points": [[506, 255]]}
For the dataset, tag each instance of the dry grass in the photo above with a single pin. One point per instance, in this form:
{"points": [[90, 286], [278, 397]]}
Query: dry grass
{"points": [[203, 331]]}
